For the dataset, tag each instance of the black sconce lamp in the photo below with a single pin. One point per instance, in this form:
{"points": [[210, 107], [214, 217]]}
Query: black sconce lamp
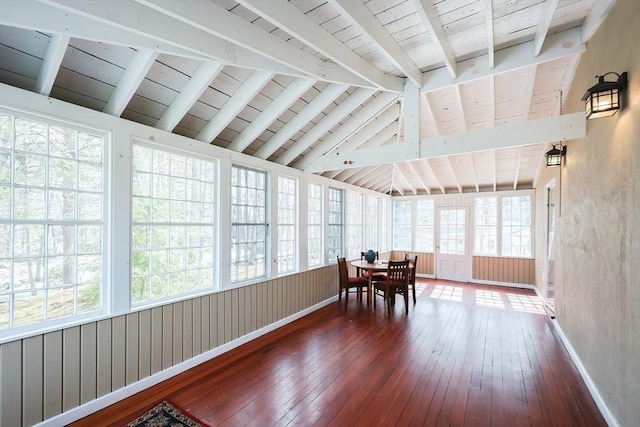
{"points": [[603, 98], [554, 156]]}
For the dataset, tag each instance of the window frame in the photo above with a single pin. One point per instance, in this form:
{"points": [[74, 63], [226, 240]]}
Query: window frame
{"points": [[317, 226], [335, 251], [294, 224]]}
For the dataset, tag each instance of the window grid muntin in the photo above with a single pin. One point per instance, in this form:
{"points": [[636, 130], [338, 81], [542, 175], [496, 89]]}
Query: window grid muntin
{"points": [[424, 225], [248, 224], [384, 225], [335, 224], [486, 226], [402, 232], [314, 225], [452, 231], [516, 226], [287, 224], [172, 240], [355, 225], [81, 266]]}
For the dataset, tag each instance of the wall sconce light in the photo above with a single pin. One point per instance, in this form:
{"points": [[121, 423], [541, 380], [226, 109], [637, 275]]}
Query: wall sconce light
{"points": [[603, 98], [554, 156]]}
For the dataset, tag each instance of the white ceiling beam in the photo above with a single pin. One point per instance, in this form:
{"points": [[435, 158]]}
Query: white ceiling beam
{"points": [[376, 125], [51, 64], [488, 11], [475, 172], [453, 174], [136, 71], [431, 113], [402, 177], [460, 104], [383, 183], [284, 15], [311, 110], [527, 94], [326, 124], [368, 175], [363, 19], [595, 17], [381, 137], [517, 169], [276, 107], [411, 114], [557, 46], [492, 99], [549, 9], [352, 175], [433, 175], [249, 89], [189, 95], [394, 172], [570, 126], [430, 19], [417, 176], [356, 122], [32, 15], [216, 20]]}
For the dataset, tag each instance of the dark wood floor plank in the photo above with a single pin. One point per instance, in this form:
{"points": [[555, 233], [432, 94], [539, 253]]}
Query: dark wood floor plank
{"points": [[465, 355]]}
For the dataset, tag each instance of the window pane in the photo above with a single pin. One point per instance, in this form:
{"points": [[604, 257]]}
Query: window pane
{"points": [[164, 225], [287, 210], [424, 225], [486, 226], [249, 226], [402, 232], [314, 221], [50, 247], [335, 224], [355, 226], [516, 226]]}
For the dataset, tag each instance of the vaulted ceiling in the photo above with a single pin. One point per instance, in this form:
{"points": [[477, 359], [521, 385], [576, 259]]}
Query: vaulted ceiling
{"points": [[398, 96]]}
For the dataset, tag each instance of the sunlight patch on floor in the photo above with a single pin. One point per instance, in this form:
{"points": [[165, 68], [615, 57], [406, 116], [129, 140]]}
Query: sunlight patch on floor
{"points": [[489, 299], [526, 303], [450, 293]]}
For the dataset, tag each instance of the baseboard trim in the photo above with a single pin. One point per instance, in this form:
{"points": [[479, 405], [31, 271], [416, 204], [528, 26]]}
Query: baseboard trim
{"points": [[131, 389], [591, 386], [505, 284]]}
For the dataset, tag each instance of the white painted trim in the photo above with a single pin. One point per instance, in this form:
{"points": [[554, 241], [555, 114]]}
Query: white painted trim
{"points": [[591, 386], [127, 391]]}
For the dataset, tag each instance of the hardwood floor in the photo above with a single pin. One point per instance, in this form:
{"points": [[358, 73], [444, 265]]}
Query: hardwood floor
{"points": [[464, 355]]}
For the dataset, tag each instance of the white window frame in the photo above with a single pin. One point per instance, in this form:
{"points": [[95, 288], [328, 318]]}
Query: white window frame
{"points": [[355, 225], [424, 228], [372, 219], [287, 220], [402, 226], [485, 228], [335, 222], [315, 228], [260, 255], [7, 298], [503, 227]]}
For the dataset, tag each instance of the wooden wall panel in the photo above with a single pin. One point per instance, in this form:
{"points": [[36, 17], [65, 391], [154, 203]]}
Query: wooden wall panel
{"points": [[504, 270], [60, 370], [32, 379], [426, 261], [52, 404]]}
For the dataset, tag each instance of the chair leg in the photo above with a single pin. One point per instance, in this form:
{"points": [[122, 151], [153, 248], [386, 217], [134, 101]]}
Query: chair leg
{"points": [[413, 288], [406, 300]]}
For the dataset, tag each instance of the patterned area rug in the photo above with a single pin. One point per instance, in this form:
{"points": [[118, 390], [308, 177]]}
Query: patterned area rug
{"points": [[165, 414]]}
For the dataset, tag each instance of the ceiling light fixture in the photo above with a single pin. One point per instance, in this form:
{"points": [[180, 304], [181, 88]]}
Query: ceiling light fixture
{"points": [[555, 155], [603, 99]]}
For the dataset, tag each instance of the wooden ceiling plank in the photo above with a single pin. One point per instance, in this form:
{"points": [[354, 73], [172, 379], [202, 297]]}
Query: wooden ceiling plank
{"points": [[453, 174], [460, 104], [51, 64], [324, 125], [372, 174], [381, 137], [366, 22], [430, 19], [279, 105], [356, 122], [549, 10], [419, 178], [517, 169], [595, 17], [289, 18], [402, 174], [130, 81], [189, 95], [234, 105]]}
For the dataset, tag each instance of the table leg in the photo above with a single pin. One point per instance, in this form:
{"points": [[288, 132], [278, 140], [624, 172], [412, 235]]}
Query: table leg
{"points": [[370, 290]]}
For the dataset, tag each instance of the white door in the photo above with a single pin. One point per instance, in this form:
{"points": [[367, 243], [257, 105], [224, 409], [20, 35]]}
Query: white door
{"points": [[452, 258]]}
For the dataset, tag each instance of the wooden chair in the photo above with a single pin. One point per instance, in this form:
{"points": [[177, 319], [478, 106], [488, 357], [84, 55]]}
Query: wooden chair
{"points": [[377, 276], [397, 282], [412, 274], [347, 283]]}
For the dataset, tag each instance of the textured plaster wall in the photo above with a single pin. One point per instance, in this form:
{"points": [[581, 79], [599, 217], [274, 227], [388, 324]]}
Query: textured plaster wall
{"points": [[598, 252]]}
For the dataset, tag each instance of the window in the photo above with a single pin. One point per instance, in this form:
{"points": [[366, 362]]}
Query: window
{"points": [[486, 226], [172, 236], [372, 224], [314, 221], [424, 225], [286, 224], [355, 226], [402, 225], [52, 226], [384, 225], [336, 224], [516, 226], [248, 224]]}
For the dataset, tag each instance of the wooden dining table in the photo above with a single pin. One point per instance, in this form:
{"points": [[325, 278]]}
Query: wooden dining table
{"points": [[370, 267]]}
